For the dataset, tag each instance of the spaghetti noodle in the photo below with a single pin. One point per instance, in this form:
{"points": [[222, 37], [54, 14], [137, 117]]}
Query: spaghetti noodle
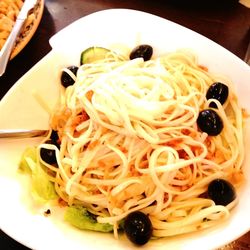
{"points": [[129, 141]]}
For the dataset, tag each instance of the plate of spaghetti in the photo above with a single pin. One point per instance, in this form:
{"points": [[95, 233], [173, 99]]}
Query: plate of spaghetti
{"points": [[147, 144]]}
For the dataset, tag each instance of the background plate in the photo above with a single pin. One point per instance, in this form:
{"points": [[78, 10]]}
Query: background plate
{"points": [[27, 34]]}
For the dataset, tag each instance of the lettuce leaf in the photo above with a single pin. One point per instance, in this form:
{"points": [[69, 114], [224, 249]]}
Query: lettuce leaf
{"points": [[79, 217], [42, 189]]}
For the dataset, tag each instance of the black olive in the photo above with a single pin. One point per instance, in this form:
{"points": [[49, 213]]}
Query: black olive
{"points": [[218, 91], [54, 137], [138, 228], [66, 79], [145, 51], [48, 155], [210, 122], [221, 192]]}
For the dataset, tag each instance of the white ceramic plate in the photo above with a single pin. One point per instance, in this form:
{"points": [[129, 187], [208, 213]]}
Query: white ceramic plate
{"points": [[24, 221]]}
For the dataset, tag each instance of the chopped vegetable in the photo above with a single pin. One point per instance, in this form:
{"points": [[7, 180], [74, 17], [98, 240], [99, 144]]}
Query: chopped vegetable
{"points": [[28, 155], [42, 188], [93, 54], [80, 217]]}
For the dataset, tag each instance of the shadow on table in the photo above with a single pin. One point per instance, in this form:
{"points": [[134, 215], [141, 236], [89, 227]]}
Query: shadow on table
{"points": [[8, 243], [204, 4]]}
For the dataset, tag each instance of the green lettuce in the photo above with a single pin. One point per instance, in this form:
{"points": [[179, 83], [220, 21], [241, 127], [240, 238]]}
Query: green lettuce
{"points": [[42, 189], [79, 217]]}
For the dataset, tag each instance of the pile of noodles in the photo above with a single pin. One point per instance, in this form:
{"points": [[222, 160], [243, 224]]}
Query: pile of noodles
{"points": [[129, 141]]}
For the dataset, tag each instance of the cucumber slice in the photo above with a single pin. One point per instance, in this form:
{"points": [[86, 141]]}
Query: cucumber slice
{"points": [[79, 217], [93, 54]]}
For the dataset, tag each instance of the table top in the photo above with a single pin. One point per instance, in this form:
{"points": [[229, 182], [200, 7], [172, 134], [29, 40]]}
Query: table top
{"points": [[226, 23]]}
